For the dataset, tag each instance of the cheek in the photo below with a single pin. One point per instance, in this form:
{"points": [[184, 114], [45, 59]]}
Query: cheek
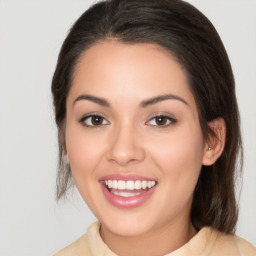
{"points": [[179, 160], [179, 157], [84, 150]]}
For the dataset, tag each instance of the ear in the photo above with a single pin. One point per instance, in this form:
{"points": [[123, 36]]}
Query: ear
{"points": [[215, 144]]}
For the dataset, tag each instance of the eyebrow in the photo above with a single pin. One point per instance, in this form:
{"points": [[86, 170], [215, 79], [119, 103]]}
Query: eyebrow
{"points": [[91, 98], [143, 104], [160, 98]]}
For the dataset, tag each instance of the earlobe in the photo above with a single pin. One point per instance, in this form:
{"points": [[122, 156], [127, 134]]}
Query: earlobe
{"points": [[216, 141]]}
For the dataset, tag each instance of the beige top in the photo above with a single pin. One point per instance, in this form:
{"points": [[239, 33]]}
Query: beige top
{"points": [[207, 242]]}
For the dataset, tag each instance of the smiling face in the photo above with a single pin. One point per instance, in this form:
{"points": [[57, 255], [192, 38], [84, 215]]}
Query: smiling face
{"points": [[132, 123]]}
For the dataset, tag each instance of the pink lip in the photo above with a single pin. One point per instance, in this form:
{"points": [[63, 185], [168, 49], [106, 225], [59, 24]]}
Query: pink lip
{"points": [[126, 202]]}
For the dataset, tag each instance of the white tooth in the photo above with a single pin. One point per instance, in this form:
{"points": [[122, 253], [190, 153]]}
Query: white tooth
{"points": [[106, 182], [149, 184], [129, 185], [144, 184], [114, 184], [121, 184], [153, 183], [109, 183], [138, 184], [125, 194]]}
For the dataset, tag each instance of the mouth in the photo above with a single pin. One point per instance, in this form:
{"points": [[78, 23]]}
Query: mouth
{"points": [[128, 188], [129, 192]]}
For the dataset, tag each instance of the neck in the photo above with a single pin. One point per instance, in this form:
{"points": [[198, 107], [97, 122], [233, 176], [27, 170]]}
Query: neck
{"points": [[168, 238]]}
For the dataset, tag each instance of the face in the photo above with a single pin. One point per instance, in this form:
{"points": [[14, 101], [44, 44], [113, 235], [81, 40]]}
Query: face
{"points": [[133, 137]]}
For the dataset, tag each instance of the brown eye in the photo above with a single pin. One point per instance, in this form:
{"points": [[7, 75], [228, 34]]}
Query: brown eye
{"points": [[161, 121], [93, 120], [96, 120]]}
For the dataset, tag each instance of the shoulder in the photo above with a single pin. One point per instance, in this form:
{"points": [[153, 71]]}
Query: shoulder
{"points": [[88, 244], [78, 248], [231, 245], [245, 247], [210, 242]]}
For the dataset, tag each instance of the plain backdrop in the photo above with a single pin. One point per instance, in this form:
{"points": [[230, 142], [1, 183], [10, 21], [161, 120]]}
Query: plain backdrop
{"points": [[31, 33]]}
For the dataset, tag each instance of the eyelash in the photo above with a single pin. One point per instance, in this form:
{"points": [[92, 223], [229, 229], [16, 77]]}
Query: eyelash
{"points": [[89, 117], [169, 119]]}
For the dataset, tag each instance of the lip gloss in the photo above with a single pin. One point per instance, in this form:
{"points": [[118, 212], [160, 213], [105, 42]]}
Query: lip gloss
{"points": [[125, 198]]}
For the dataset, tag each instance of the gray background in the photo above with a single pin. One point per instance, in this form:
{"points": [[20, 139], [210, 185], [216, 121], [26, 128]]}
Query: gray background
{"points": [[31, 33]]}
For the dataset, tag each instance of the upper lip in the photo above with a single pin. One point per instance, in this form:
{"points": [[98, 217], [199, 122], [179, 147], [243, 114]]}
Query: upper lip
{"points": [[125, 177]]}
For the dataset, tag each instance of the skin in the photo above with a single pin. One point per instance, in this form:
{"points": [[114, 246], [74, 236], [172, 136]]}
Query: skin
{"points": [[130, 141]]}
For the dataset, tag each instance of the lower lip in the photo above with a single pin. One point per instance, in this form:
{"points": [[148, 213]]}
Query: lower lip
{"points": [[127, 202]]}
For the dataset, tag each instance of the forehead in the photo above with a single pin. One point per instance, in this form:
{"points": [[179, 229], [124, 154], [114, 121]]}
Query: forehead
{"points": [[129, 70], [115, 54]]}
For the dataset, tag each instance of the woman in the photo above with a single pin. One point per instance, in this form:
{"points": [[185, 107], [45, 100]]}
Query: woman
{"points": [[149, 130]]}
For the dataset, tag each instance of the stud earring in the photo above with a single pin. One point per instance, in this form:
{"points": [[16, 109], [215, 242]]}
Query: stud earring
{"points": [[208, 149]]}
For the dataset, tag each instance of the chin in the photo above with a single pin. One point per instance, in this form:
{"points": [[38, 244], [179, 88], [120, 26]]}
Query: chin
{"points": [[127, 230], [127, 225]]}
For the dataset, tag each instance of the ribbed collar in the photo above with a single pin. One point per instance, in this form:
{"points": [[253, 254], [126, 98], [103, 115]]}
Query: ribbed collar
{"points": [[199, 245]]}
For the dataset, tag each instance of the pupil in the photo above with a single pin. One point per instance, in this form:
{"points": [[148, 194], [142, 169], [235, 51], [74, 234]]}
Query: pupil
{"points": [[96, 120], [160, 120]]}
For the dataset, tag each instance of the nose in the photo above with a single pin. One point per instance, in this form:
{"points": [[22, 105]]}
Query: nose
{"points": [[125, 147]]}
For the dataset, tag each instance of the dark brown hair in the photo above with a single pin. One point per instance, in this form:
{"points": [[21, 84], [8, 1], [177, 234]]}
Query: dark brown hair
{"points": [[185, 32]]}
